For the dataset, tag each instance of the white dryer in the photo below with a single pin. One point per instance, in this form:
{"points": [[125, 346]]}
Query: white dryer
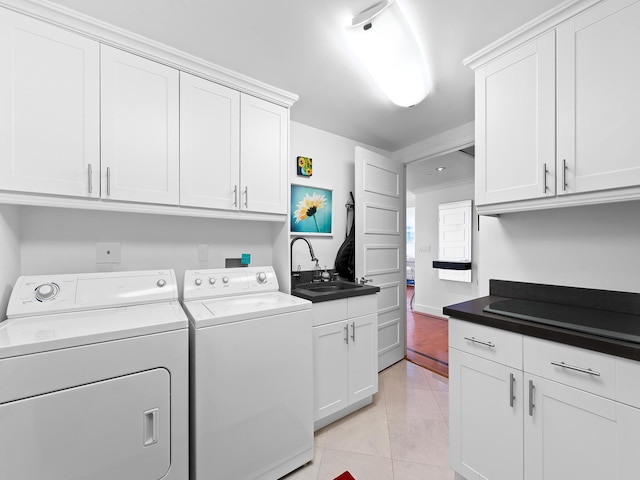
{"points": [[251, 375], [94, 378]]}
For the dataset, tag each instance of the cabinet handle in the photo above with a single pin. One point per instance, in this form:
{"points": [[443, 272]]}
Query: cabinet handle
{"points": [[346, 334], [235, 195], [564, 174], [108, 181], [531, 405], [577, 369], [475, 340], [544, 175], [512, 397], [246, 196], [353, 331], [90, 174]]}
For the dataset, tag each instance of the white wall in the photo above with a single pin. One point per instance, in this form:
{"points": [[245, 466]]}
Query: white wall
{"points": [[9, 253], [594, 246], [333, 167], [64, 241], [431, 293]]}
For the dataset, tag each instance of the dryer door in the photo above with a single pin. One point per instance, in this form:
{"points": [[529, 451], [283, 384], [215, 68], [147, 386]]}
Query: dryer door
{"points": [[116, 428]]}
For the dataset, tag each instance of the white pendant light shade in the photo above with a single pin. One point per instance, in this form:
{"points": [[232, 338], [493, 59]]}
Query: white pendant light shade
{"points": [[387, 47]]}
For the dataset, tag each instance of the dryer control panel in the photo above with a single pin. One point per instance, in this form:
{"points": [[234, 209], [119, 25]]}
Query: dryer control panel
{"points": [[223, 282], [46, 294]]}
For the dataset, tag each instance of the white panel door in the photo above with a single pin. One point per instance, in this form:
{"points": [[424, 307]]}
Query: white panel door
{"points": [[486, 408], [515, 124], [140, 129], [363, 357], [569, 433], [454, 238], [117, 428], [264, 151], [380, 245], [209, 144], [330, 369], [599, 98], [49, 109]]}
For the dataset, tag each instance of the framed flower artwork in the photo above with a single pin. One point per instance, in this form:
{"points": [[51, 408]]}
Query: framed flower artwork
{"points": [[311, 210]]}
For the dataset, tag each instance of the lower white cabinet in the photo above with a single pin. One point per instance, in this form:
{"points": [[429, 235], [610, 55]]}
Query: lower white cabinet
{"points": [[486, 418], [568, 413], [345, 355]]}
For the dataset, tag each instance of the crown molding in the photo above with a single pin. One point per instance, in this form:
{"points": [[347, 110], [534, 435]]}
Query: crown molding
{"points": [[137, 44]]}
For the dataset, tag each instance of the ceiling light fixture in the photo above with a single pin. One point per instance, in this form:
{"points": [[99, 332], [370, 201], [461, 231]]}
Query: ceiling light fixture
{"points": [[387, 46], [441, 169]]}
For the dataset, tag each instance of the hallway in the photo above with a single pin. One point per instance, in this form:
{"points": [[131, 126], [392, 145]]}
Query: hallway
{"points": [[427, 339]]}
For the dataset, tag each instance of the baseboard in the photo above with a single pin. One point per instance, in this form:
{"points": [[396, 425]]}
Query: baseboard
{"points": [[427, 310]]}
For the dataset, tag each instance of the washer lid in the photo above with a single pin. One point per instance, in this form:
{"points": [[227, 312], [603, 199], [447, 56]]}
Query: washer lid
{"points": [[21, 336], [206, 313]]}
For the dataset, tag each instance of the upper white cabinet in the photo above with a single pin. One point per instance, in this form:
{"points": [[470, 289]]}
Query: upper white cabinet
{"points": [[556, 110], [599, 98], [233, 149], [515, 125], [49, 109], [140, 129], [209, 144], [264, 146]]}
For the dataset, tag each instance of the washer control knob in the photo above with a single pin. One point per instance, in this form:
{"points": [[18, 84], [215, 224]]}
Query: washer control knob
{"points": [[212, 280], [46, 291], [161, 283], [198, 281], [261, 277], [225, 280]]}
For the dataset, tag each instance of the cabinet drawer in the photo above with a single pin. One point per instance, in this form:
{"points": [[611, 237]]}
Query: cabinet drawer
{"points": [[586, 370], [328, 312], [363, 305], [486, 342], [627, 385]]}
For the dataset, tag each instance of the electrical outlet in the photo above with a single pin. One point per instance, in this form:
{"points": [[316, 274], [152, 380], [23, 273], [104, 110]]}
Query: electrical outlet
{"points": [[203, 253], [108, 253]]}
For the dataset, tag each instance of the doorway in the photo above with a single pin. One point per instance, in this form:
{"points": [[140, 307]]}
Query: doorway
{"points": [[431, 182]]}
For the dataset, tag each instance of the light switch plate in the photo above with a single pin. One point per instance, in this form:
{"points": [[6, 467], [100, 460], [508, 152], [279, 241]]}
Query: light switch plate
{"points": [[108, 253]]}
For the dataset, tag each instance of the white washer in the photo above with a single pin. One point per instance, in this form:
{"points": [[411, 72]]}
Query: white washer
{"points": [[94, 378], [251, 375]]}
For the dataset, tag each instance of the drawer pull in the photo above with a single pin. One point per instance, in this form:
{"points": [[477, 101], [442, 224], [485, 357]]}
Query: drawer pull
{"points": [[475, 340], [577, 369], [346, 334]]}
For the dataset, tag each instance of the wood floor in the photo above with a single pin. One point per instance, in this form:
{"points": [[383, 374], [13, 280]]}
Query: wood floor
{"points": [[427, 339]]}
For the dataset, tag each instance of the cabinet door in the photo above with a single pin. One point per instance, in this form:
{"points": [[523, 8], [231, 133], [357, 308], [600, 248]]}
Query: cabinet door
{"points": [[486, 408], [209, 144], [330, 369], [49, 109], [515, 124], [264, 137], [569, 433], [140, 154], [363, 357], [599, 98]]}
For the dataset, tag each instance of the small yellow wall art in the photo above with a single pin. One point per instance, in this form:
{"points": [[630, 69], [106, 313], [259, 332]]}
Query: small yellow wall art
{"points": [[305, 166]]}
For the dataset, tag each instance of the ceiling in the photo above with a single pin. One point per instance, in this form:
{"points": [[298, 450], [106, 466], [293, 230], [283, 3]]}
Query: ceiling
{"points": [[299, 46], [423, 175]]}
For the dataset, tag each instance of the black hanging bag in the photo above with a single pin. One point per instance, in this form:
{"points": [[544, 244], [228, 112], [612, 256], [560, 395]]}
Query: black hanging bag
{"points": [[345, 259]]}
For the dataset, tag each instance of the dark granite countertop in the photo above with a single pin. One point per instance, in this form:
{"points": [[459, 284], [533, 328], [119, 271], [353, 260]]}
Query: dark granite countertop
{"points": [[620, 305]]}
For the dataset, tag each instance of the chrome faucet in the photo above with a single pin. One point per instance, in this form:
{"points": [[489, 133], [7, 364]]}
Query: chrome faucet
{"points": [[316, 273]]}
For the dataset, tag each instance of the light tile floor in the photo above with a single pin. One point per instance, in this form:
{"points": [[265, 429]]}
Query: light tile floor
{"points": [[402, 435]]}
